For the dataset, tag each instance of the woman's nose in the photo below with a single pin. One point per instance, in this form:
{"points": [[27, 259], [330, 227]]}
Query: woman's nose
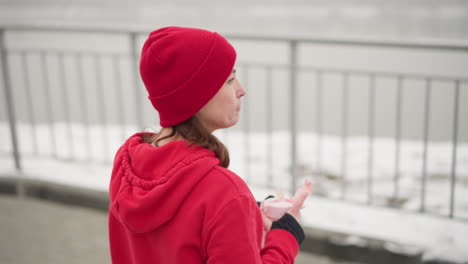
{"points": [[240, 91]]}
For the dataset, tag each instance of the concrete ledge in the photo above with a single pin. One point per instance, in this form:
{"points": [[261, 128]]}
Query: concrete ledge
{"points": [[55, 192], [335, 245], [7, 185], [347, 247]]}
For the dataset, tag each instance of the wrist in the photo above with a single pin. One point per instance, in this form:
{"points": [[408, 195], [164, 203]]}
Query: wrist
{"points": [[290, 224]]}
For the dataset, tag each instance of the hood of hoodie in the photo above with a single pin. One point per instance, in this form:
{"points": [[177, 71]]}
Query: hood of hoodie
{"points": [[149, 184]]}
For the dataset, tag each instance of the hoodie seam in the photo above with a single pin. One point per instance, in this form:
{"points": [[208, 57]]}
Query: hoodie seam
{"points": [[229, 178], [224, 207], [238, 195], [209, 226]]}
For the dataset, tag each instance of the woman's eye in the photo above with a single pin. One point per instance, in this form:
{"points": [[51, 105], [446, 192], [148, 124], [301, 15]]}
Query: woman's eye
{"points": [[230, 80]]}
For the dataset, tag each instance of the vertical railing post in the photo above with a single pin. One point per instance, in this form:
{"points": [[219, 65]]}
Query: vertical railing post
{"points": [[399, 95], [426, 124], [47, 97], [119, 93], [102, 108], [453, 170], [344, 134], [319, 125], [66, 105], [136, 81], [269, 126], [29, 103], [293, 113], [9, 100], [370, 151], [83, 100]]}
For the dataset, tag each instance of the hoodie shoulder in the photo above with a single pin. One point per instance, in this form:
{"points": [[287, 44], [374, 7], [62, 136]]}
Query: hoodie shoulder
{"points": [[228, 184]]}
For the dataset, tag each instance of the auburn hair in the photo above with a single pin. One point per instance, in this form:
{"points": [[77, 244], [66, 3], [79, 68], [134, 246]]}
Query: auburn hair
{"points": [[195, 133]]}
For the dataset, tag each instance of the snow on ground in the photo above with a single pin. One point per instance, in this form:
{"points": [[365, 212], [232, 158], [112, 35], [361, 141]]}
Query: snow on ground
{"points": [[68, 162]]}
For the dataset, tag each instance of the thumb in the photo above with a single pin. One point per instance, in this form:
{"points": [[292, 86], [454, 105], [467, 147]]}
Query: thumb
{"points": [[267, 222], [301, 195]]}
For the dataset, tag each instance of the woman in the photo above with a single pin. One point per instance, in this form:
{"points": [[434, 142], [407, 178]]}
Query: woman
{"points": [[172, 198]]}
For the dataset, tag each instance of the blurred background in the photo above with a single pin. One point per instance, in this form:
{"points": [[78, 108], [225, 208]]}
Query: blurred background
{"points": [[368, 99]]}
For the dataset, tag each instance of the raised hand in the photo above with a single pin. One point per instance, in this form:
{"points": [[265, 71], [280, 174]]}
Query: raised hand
{"points": [[298, 200]]}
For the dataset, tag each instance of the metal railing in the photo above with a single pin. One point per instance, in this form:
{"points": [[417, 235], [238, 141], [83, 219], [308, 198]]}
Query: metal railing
{"points": [[292, 67]]}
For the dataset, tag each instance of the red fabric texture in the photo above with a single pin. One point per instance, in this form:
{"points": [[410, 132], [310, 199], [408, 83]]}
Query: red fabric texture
{"points": [[182, 69], [174, 204]]}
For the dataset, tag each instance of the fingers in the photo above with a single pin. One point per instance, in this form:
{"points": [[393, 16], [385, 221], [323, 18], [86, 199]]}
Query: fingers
{"points": [[267, 222], [306, 187], [301, 194], [298, 200]]}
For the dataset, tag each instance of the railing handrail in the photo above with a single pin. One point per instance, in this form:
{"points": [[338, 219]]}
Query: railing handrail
{"points": [[414, 43]]}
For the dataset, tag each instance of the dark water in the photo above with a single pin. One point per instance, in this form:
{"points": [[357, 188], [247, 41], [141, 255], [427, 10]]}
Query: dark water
{"points": [[400, 19]]}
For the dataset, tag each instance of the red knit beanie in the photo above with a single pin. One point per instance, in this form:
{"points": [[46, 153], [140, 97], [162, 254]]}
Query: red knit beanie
{"points": [[182, 69]]}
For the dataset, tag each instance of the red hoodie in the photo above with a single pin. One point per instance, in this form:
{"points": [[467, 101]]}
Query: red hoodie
{"points": [[175, 204]]}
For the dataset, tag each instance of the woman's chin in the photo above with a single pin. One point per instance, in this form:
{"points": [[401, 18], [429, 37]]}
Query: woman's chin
{"points": [[231, 123], [235, 120]]}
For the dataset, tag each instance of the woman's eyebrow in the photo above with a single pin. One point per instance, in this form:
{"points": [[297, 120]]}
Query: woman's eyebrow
{"points": [[233, 70]]}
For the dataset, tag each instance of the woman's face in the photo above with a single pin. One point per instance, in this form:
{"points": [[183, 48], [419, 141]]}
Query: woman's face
{"points": [[223, 109]]}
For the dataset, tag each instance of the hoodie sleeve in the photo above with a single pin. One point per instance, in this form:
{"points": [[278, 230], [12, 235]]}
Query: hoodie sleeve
{"points": [[235, 235]]}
